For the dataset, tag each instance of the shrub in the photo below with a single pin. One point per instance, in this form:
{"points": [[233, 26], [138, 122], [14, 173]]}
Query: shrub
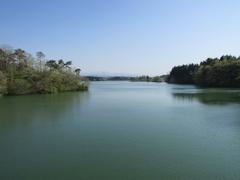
{"points": [[3, 83], [19, 86]]}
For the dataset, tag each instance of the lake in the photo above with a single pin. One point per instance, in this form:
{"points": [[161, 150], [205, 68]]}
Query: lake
{"points": [[122, 131]]}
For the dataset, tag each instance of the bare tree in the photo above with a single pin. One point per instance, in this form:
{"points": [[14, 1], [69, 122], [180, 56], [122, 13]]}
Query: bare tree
{"points": [[40, 56]]}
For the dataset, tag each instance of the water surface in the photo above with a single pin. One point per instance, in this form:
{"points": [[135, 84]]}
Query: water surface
{"points": [[122, 130]]}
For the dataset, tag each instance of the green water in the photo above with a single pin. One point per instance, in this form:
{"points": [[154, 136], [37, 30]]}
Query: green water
{"points": [[122, 131]]}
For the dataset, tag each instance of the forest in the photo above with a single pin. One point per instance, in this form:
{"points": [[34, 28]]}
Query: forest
{"points": [[213, 72], [21, 73]]}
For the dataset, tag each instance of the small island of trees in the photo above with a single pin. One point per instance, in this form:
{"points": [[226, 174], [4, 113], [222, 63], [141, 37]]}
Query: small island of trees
{"points": [[213, 72], [21, 73]]}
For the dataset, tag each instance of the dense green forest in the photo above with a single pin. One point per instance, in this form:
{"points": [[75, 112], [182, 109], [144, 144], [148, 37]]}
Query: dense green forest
{"points": [[21, 73], [217, 72]]}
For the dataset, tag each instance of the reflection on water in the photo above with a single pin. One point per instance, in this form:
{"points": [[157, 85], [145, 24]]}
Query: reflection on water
{"points": [[210, 96], [17, 110], [121, 130]]}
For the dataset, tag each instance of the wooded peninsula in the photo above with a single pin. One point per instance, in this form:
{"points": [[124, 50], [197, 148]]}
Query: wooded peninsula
{"points": [[21, 73], [213, 72]]}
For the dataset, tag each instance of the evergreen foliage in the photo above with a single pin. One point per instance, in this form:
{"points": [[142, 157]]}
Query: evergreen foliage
{"points": [[217, 72]]}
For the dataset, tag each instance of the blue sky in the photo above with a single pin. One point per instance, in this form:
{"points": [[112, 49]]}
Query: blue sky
{"points": [[123, 36]]}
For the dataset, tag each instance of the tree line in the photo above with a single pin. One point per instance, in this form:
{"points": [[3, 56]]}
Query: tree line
{"points": [[213, 72], [143, 78], [147, 79], [21, 73]]}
